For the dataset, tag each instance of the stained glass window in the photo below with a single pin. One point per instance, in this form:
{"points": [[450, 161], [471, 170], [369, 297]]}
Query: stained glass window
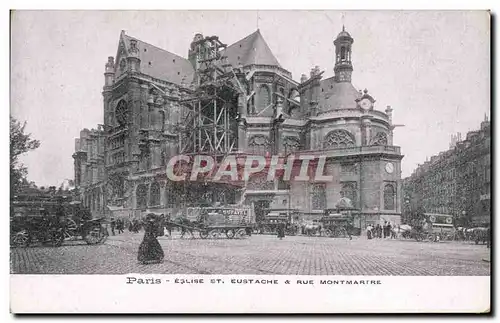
{"points": [[389, 197], [350, 191], [264, 97], [154, 194], [380, 139], [339, 139], [318, 198], [258, 145], [141, 196]]}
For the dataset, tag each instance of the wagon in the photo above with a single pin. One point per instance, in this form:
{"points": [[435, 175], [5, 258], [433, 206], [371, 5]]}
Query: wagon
{"points": [[336, 225], [216, 222], [29, 226]]}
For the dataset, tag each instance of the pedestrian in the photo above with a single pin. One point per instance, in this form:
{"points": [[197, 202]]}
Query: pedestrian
{"points": [[377, 230], [161, 224], [281, 230], [113, 226], [168, 224], [150, 251], [120, 226], [369, 232]]}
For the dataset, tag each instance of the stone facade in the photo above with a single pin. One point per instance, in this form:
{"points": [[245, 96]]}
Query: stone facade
{"points": [[457, 181], [144, 107]]}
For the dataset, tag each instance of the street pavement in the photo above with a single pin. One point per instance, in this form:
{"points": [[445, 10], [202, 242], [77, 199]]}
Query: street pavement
{"points": [[259, 254]]}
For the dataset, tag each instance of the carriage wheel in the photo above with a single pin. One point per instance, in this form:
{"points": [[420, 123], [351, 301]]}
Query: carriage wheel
{"points": [[230, 233], [430, 237], [338, 232], [94, 236], [214, 234], [21, 239], [203, 234], [241, 233], [329, 233], [71, 225], [69, 235]]}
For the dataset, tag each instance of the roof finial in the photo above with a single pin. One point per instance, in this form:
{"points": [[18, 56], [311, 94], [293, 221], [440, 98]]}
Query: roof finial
{"points": [[343, 22]]}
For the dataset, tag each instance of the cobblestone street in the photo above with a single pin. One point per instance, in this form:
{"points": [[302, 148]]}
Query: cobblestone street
{"points": [[258, 254]]}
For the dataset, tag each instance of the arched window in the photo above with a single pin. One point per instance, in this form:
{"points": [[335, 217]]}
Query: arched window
{"points": [[263, 97], [349, 190], [98, 199], [259, 182], [291, 144], [258, 145], [343, 53], [389, 197], [154, 194], [380, 139], [318, 198], [141, 195], [339, 139], [121, 113]]}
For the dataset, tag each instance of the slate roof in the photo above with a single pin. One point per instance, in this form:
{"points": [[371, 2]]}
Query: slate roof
{"points": [[161, 64], [252, 49], [341, 95]]}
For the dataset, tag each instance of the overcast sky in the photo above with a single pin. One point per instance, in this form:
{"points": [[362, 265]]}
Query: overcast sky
{"points": [[431, 67]]}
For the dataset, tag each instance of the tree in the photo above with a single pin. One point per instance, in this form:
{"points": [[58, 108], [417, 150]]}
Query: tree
{"points": [[20, 143]]}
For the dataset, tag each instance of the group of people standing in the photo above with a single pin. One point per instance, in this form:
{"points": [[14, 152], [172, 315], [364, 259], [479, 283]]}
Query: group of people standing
{"points": [[118, 225], [380, 231]]}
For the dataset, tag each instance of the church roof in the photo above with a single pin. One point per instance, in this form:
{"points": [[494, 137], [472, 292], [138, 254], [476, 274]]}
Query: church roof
{"points": [[337, 95], [162, 64], [252, 49]]}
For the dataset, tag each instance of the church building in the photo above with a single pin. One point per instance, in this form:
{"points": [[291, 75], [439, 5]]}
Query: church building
{"points": [[236, 99]]}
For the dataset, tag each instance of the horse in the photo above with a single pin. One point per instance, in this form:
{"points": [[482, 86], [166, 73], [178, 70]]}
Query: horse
{"points": [[401, 231], [312, 229], [186, 226]]}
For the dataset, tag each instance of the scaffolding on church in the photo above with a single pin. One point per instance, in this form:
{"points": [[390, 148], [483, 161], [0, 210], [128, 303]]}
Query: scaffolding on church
{"points": [[209, 123]]}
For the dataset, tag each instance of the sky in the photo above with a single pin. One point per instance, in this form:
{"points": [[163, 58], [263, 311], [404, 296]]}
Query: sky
{"points": [[431, 67]]}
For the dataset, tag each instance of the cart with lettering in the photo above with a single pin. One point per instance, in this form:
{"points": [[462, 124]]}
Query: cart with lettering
{"points": [[217, 222]]}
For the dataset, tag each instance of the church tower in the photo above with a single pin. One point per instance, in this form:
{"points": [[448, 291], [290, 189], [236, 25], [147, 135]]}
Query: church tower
{"points": [[343, 64]]}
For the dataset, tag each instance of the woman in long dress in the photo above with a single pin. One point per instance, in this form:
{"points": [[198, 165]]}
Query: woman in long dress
{"points": [[281, 230], [150, 251]]}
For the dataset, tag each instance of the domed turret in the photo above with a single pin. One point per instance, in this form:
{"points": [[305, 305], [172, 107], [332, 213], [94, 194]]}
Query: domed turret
{"points": [[343, 64]]}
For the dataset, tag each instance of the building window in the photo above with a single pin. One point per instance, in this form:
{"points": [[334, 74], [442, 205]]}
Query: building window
{"points": [[380, 139], [318, 198], [291, 144], [343, 53], [348, 168], [141, 196], [259, 145], [170, 195], [154, 194], [389, 197], [350, 191], [264, 97], [339, 139], [259, 182], [121, 113]]}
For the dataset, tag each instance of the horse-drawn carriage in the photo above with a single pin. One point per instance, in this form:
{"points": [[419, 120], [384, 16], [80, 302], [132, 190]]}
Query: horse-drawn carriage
{"points": [[52, 226], [215, 222], [336, 225], [272, 220]]}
